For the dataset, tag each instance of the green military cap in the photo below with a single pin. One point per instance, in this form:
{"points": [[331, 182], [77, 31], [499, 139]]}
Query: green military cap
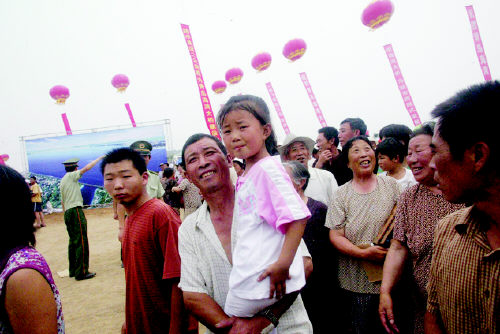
{"points": [[71, 162], [142, 146]]}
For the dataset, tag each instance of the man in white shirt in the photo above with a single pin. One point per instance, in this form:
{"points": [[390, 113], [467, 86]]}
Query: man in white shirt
{"points": [[322, 183], [206, 253]]}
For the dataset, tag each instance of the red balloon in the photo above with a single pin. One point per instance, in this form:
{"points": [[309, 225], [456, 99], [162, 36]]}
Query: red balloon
{"points": [[59, 93], [120, 82], [377, 13], [234, 75], [261, 61], [219, 86], [294, 49]]}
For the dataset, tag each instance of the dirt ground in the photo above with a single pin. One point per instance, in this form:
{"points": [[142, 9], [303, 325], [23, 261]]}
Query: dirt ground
{"points": [[96, 305]]}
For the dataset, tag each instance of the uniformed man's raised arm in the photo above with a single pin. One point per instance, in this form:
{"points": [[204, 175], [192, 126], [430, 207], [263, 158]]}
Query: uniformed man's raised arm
{"points": [[90, 165]]}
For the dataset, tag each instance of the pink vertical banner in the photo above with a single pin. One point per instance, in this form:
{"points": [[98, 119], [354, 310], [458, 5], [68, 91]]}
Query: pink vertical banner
{"points": [[129, 111], [277, 107], [312, 97], [403, 89], [205, 101], [478, 44], [66, 124]]}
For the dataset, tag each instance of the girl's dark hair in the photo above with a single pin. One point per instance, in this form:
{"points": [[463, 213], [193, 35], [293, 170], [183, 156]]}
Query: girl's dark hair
{"points": [[258, 108], [15, 197], [240, 163]]}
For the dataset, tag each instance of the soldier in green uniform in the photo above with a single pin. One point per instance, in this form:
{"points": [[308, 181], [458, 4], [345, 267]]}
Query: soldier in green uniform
{"points": [[74, 218], [154, 187]]}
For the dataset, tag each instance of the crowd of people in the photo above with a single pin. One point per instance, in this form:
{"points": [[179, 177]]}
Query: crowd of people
{"points": [[248, 236]]}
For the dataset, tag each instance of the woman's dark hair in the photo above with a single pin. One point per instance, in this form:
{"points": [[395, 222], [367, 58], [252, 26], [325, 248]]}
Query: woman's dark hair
{"points": [[121, 154], [258, 108], [15, 197], [348, 146], [195, 138], [392, 148]]}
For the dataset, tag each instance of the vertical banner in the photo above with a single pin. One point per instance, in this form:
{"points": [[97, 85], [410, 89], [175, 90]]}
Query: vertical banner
{"points": [[403, 89], [129, 111], [478, 44], [205, 102], [66, 124], [317, 109], [277, 107]]}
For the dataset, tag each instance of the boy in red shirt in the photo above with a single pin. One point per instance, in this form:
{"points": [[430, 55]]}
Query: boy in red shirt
{"points": [[150, 255]]}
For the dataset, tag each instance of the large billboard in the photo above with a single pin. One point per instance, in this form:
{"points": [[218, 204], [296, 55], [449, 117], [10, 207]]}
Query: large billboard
{"points": [[45, 157]]}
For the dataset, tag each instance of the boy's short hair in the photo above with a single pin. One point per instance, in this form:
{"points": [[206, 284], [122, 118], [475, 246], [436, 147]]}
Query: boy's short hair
{"points": [[124, 153], [391, 148]]}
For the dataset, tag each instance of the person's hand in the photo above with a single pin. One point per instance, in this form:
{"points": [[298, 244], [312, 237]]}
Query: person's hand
{"points": [[386, 314], [236, 325], [124, 328], [374, 253], [324, 156], [120, 233], [278, 274]]}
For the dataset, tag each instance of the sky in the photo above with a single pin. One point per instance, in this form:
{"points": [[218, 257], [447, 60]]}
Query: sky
{"points": [[83, 44]]}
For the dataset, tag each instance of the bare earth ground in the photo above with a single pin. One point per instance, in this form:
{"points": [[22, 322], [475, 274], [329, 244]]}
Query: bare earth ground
{"points": [[96, 305]]}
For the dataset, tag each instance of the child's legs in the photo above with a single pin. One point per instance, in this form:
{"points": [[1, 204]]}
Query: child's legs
{"points": [[239, 307], [246, 308]]}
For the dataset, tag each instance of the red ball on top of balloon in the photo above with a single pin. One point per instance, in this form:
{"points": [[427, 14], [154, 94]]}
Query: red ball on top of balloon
{"points": [[219, 86], [261, 61], [234, 75], [377, 13], [294, 49], [120, 82], [59, 93]]}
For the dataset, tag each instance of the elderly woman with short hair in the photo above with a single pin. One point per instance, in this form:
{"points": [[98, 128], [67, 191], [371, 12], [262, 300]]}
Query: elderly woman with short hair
{"points": [[359, 209], [419, 209], [322, 283]]}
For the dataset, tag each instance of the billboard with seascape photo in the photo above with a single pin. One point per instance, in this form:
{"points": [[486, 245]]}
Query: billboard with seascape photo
{"points": [[45, 157]]}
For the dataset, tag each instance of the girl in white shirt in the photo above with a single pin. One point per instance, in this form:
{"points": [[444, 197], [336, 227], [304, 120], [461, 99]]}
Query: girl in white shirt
{"points": [[269, 217]]}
